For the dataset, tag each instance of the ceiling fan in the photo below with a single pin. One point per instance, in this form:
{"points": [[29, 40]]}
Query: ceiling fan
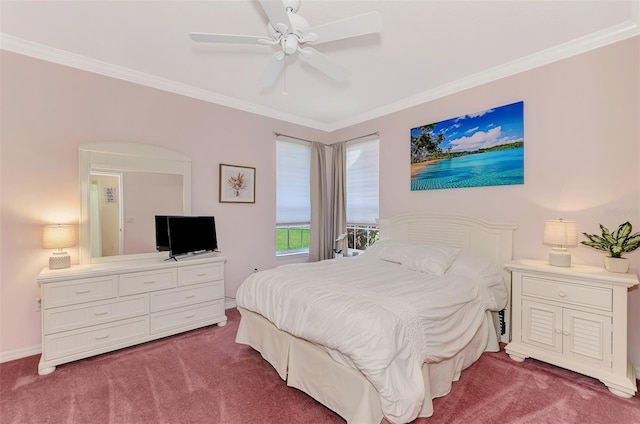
{"points": [[290, 32]]}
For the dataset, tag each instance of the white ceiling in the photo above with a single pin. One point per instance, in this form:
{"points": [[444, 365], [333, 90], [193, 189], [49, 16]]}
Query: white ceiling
{"points": [[426, 49]]}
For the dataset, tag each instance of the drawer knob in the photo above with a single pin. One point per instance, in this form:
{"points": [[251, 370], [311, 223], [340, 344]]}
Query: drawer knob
{"points": [[191, 315], [566, 333], [149, 281], [102, 336], [558, 331], [105, 312], [562, 293], [84, 291], [189, 295], [204, 274]]}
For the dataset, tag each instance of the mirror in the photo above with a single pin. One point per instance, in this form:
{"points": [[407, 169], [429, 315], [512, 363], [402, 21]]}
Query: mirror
{"points": [[123, 186]]}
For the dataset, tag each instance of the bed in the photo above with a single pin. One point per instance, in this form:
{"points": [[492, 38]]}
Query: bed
{"points": [[381, 334]]}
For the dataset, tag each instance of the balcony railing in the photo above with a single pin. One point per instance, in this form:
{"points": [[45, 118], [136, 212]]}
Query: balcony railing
{"points": [[294, 238], [361, 236]]}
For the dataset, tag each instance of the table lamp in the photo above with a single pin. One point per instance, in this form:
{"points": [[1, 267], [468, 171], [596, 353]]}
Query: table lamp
{"points": [[560, 234], [59, 237]]}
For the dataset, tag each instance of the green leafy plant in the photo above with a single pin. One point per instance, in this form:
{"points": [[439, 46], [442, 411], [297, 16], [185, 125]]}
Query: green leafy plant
{"points": [[619, 242]]}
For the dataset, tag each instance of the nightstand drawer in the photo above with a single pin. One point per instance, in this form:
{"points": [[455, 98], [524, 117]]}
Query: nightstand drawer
{"points": [[143, 282], [79, 291], [601, 298], [195, 274]]}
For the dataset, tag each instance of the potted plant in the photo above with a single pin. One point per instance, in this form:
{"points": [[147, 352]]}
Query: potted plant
{"points": [[617, 243]]}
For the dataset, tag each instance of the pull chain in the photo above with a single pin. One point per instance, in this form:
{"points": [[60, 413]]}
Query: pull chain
{"points": [[284, 91]]}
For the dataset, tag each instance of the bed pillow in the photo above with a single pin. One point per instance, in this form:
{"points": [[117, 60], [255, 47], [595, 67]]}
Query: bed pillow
{"points": [[472, 264], [430, 259], [394, 251]]}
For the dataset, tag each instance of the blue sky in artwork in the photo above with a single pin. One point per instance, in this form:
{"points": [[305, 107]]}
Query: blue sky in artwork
{"points": [[492, 127]]}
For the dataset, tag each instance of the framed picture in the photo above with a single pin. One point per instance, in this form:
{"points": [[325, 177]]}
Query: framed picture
{"points": [[479, 149], [237, 184]]}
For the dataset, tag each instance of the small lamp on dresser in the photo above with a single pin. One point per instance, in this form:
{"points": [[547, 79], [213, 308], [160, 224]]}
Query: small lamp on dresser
{"points": [[560, 234], [59, 237]]}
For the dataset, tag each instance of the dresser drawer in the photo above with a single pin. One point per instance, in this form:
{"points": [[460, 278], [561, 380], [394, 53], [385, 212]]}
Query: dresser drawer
{"points": [[194, 274], [87, 314], [201, 314], [79, 291], [147, 281], [188, 296], [596, 297], [99, 337]]}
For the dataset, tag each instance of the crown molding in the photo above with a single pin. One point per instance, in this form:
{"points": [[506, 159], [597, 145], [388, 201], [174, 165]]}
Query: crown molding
{"points": [[62, 57], [580, 45], [593, 41]]}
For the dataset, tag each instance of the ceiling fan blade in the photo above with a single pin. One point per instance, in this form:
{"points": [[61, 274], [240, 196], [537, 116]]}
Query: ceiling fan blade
{"points": [[271, 73], [277, 14], [324, 64], [201, 37], [355, 26]]}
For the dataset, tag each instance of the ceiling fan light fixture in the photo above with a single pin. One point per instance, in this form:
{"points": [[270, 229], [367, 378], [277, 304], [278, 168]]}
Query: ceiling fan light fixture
{"points": [[290, 44]]}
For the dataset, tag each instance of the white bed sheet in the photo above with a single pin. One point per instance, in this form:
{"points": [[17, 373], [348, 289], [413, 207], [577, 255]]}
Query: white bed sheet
{"points": [[386, 320]]}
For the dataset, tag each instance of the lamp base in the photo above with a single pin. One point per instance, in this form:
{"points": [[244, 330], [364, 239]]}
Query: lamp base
{"points": [[559, 256], [59, 260]]}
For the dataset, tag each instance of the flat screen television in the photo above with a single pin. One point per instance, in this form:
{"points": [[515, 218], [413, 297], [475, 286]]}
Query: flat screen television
{"points": [[162, 233], [191, 234]]}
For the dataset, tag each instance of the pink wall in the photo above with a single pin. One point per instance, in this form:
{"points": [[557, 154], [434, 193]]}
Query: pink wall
{"points": [[48, 110], [582, 149]]}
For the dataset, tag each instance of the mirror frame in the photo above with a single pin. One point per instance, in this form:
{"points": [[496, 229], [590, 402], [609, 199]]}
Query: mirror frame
{"points": [[119, 156]]}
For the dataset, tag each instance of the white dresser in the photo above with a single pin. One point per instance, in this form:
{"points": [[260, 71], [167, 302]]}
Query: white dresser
{"points": [[92, 309], [574, 317]]}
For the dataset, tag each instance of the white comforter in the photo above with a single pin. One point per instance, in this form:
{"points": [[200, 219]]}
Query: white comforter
{"points": [[385, 319]]}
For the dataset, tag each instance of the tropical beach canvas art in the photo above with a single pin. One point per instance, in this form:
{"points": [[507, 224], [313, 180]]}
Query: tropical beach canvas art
{"points": [[473, 150]]}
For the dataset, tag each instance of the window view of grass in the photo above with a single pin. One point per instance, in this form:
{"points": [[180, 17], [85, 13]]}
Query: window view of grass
{"points": [[292, 238]]}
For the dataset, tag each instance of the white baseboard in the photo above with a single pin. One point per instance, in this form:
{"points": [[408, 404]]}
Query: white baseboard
{"points": [[12, 355], [20, 353]]}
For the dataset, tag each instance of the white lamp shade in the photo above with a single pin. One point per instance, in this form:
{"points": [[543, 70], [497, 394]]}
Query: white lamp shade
{"points": [[58, 236], [561, 233]]}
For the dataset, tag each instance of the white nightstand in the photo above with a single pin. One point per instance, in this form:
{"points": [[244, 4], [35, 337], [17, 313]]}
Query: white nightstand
{"points": [[575, 318]]}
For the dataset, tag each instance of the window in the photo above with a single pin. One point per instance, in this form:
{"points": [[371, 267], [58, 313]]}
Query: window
{"points": [[362, 193], [293, 203]]}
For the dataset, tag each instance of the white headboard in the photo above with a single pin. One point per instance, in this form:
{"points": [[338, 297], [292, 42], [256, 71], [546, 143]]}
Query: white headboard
{"points": [[492, 240]]}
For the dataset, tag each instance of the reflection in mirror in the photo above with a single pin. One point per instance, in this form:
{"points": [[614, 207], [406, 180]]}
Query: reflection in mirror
{"points": [[123, 187], [122, 207]]}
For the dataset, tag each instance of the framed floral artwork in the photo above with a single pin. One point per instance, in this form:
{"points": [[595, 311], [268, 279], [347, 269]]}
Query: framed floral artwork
{"points": [[237, 184]]}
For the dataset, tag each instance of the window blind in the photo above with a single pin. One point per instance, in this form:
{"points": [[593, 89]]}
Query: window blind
{"points": [[362, 182], [293, 174]]}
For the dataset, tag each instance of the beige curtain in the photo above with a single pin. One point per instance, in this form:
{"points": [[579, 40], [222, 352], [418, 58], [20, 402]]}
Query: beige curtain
{"points": [[320, 241], [339, 200]]}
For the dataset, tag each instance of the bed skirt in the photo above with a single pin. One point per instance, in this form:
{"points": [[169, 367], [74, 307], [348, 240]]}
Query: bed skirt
{"points": [[343, 389]]}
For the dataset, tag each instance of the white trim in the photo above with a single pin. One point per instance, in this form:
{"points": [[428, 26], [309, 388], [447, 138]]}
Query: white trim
{"points": [[580, 45], [62, 57], [12, 355], [598, 39]]}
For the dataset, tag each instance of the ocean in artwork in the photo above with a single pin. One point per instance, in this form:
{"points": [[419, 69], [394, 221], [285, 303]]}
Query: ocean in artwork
{"points": [[501, 167], [479, 149]]}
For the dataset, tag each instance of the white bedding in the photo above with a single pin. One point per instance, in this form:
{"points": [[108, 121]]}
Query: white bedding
{"points": [[385, 319]]}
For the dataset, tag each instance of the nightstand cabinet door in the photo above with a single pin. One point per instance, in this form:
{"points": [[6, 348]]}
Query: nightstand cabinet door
{"points": [[587, 337], [542, 325]]}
